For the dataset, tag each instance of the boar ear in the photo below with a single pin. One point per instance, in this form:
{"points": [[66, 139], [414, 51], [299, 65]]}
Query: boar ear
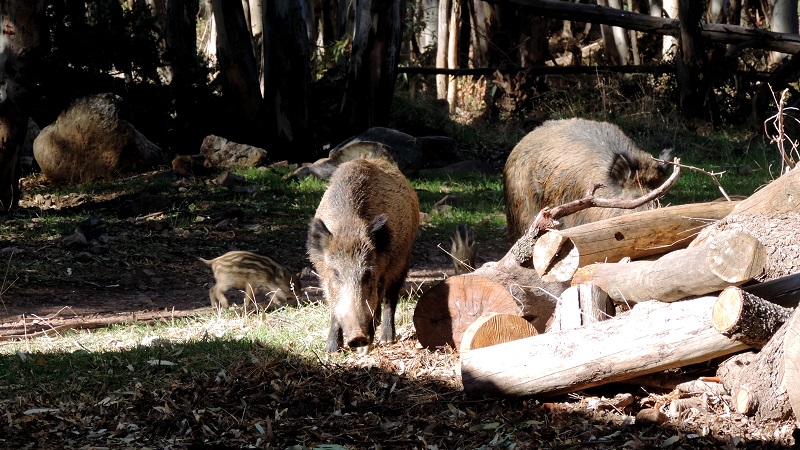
{"points": [[318, 235], [379, 232], [620, 170]]}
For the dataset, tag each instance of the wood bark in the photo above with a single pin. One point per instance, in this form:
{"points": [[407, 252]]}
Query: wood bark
{"points": [[559, 253], [445, 311], [581, 305], [19, 49], [287, 76], [238, 70], [722, 33], [653, 336], [373, 62], [757, 381], [441, 47], [791, 363], [495, 328], [452, 53], [732, 258], [746, 318]]}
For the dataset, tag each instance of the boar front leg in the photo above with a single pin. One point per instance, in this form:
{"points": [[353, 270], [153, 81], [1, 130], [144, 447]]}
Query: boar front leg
{"points": [[335, 337], [388, 309]]}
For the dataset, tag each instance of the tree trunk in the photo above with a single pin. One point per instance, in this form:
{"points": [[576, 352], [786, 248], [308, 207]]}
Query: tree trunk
{"points": [[287, 77], [669, 44], [442, 41], [616, 43], [373, 63], [238, 71], [652, 337], [452, 53], [731, 258], [691, 97], [783, 20], [19, 48], [581, 305]]}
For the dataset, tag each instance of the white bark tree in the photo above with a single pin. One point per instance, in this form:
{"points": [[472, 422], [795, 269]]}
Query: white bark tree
{"points": [[615, 39], [783, 20]]}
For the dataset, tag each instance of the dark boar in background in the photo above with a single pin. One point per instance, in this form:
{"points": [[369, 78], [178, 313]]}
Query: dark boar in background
{"points": [[360, 244], [561, 160]]}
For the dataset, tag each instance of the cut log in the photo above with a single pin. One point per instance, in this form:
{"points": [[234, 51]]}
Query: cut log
{"points": [[559, 253], [779, 196], [732, 258], [444, 312], [653, 336], [746, 318], [791, 363], [757, 381], [784, 291], [493, 328], [581, 305]]}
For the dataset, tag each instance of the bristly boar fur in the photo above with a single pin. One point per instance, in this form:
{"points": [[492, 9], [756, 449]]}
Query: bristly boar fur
{"points": [[254, 274], [561, 160], [360, 243], [463, 249]]}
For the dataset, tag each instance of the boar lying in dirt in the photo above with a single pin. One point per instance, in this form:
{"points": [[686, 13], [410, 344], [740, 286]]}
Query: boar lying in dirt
{"points": [[254, 274], [562, 160], [463, 249], [360, 243]]}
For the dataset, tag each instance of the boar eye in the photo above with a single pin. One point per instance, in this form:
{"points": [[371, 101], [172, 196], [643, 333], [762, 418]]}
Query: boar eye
{"points": [[336, 274], [366, 277]]}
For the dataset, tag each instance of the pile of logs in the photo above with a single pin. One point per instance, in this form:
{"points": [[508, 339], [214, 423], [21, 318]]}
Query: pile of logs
{"points": [[691, 283]]}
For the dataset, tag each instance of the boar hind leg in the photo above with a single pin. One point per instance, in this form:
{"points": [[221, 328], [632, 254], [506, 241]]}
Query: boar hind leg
{"points": [[218, 299], [388, 334], [335, 338]]}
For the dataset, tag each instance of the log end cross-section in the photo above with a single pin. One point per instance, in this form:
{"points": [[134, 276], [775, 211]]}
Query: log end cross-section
{"points": [[493, 328], [444, 312]]}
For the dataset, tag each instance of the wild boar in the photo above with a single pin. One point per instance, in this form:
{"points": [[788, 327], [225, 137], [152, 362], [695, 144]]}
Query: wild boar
{"points": [[254, 274], [359, 242], [561, 160], [463, 249]]}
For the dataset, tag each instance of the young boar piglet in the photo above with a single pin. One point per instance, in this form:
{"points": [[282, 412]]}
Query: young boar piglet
{"points": [[561, 160], [463, 248], [255, 274], [360, 244]]}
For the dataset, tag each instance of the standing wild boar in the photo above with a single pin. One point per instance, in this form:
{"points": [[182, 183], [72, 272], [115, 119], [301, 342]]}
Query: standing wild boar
{"points": [[360, 244], [561, 160]]}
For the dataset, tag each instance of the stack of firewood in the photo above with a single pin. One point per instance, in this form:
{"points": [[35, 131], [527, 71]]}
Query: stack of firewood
{"points": [[694, 282]]}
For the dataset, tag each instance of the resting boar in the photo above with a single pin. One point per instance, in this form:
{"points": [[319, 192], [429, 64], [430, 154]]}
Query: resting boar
{"points": [[360, 244], [561, 160], [463, 249], [254, 274]]}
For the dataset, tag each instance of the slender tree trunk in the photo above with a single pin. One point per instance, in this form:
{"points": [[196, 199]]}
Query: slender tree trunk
{"points": [[442, 40], [19, 46], [669, 43], [783, 20], [614, 38], [373, 63], [452, 53], [238, 71], [287, 76]]}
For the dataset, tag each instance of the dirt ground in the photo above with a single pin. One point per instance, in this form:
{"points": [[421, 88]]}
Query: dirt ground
{"points": [[145, 269]]}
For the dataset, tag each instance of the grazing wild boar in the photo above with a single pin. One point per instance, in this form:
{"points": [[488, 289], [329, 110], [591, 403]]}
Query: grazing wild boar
{"points": [[360, 243], [463, 249], [561, 160], [254, 274]]}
